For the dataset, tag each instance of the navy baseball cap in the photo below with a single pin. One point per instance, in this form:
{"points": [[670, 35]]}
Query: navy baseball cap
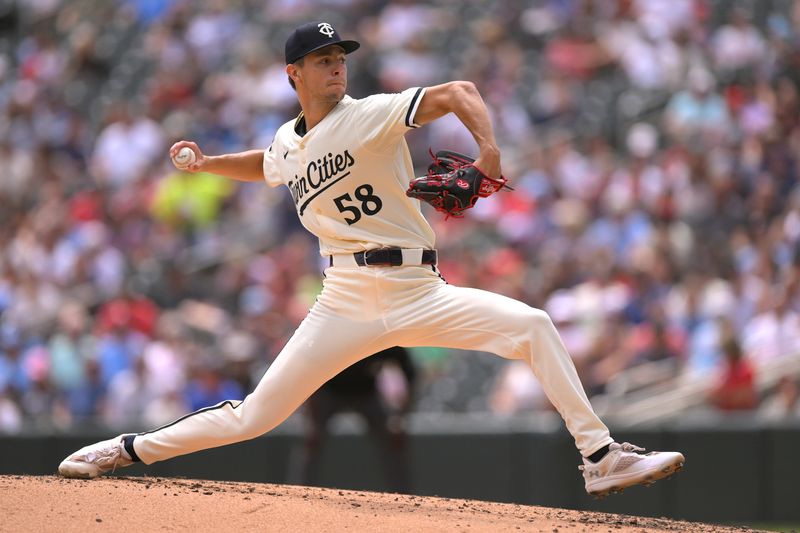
{"points": [[313, 36]]}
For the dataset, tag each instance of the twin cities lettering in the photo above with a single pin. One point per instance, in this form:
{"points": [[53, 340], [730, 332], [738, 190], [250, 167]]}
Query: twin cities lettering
{"points": [[320, 174]]}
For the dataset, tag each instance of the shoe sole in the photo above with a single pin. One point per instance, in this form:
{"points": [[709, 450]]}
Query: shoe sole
{"points": [[665, 473]]}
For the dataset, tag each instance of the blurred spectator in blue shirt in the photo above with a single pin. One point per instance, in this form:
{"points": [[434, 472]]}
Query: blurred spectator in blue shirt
{"points": [[209, 386], [697, 111], [87, 400], [69, 348]]}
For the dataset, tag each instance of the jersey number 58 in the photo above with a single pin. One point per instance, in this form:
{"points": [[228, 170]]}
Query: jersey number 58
{"points": [[370, 203]]}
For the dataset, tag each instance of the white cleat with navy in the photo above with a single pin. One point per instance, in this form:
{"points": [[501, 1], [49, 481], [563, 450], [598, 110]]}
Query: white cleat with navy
{"points": [[96, 459], [626, 465]]}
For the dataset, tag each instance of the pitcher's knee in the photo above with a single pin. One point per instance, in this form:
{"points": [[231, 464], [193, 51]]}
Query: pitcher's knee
{"points": [[535, 327], [259, 419], [254, 422], [250, 429], [538, 320]]}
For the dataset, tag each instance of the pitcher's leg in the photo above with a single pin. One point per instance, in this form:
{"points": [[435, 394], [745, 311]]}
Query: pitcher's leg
{"points": [[472, 319], [320, 348]]}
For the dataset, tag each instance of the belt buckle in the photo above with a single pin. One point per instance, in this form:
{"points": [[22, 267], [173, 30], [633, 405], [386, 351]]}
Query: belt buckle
{"points": [[365, 254]]}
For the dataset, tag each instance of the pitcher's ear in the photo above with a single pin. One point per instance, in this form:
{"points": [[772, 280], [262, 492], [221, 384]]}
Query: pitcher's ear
{"points": [[293, 73]]}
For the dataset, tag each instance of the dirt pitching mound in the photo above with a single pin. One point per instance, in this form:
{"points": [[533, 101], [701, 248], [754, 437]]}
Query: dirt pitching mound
{"points": [[50, 503]]}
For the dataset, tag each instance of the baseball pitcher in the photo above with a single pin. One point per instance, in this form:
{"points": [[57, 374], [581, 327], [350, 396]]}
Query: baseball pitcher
{"points": [[347, 167]]}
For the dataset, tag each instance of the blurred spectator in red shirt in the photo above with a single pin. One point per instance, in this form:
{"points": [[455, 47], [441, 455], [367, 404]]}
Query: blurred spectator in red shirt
{"points": [[736, 389], [136, 309]]}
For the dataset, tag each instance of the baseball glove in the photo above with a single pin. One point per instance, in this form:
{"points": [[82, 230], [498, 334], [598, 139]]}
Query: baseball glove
{"points": [[453, 183]]}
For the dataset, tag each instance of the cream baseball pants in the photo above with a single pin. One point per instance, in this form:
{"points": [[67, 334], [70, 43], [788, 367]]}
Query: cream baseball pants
{"points": [[363, 310]]}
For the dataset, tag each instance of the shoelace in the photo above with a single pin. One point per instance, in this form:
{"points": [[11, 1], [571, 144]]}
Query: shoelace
{"points": [[625, 447], [628, 447], [116, 459], [106, 455]]}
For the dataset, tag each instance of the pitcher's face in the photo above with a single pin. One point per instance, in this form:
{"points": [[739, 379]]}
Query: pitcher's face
{"points": [[323, 74]]}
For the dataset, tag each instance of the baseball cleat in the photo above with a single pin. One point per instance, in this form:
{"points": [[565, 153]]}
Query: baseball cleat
{"points": [[626, 465], [94, 460]]}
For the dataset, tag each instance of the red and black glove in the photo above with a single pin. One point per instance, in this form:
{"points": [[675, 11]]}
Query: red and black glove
{"points": [[453, 183]]}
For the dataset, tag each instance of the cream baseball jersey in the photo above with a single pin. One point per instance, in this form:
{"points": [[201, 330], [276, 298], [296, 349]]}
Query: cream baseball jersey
{"points": [[348, 174]]}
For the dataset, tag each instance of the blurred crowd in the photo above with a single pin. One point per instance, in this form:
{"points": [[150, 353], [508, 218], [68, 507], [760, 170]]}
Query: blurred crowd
{"points": [[653, 144]]}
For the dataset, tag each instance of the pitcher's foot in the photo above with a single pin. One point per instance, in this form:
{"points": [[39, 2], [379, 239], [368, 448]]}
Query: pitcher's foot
{"points": [[96, 459], [626, 465]]}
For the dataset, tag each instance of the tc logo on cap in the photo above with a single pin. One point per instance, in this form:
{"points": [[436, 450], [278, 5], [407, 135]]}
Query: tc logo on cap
{"points": [[312, 36]]}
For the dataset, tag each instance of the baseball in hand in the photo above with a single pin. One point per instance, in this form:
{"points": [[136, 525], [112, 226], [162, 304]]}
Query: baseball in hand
{"points": [[184, 157]]}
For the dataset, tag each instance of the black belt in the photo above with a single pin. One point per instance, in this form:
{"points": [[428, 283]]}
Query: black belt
{"points": [[389, 257]]}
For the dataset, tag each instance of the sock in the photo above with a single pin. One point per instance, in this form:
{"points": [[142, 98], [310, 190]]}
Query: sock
{"points": [[127, 448], [599, 454]]}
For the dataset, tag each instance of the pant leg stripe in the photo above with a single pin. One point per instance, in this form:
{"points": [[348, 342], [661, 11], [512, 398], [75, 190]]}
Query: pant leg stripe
{"points": [[232, 403]]}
